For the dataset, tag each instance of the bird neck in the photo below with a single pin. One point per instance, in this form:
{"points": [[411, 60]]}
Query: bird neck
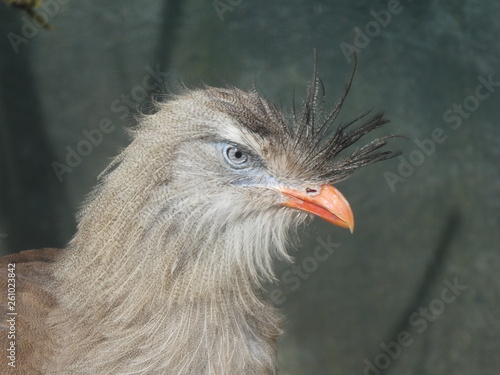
{"points": [[133, 263]]}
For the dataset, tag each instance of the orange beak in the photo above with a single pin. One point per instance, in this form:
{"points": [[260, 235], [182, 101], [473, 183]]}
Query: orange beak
{"points": [[329, 204]]}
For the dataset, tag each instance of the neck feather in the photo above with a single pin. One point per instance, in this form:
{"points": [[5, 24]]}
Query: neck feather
{"points": [[189, 278]]}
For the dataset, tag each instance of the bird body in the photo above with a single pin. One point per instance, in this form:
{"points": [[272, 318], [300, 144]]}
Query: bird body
{"points": [[165, 272]]}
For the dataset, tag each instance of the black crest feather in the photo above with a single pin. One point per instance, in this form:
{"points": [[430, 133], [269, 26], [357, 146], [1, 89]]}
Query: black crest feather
{"points": [[309, 138], [320, 146]]}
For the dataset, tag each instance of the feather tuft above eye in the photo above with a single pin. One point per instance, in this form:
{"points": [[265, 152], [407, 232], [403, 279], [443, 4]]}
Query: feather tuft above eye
{"points": [[310, 138], [321, 145]]}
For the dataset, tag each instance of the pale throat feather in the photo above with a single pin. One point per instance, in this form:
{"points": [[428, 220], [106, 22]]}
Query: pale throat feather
{"points": [[170, 263], [165, 272]]}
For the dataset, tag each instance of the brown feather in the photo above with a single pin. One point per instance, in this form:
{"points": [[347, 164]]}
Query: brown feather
{"points": [[34, 299], [164, 274]]}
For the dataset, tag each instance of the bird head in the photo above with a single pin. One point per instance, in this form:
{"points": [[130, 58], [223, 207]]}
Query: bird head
{"points": [[239, 157], [230, 159], [216, 178], [182, 231]]}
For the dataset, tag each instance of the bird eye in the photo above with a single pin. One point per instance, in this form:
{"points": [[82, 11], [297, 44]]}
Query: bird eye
{"points": [[236, 157]]}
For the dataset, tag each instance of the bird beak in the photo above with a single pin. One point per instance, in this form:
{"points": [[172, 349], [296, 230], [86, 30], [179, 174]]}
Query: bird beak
{"points": [[329, 204]]}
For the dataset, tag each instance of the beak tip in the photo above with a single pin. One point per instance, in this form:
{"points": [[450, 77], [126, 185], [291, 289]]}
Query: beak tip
{"points": [[349, 224]]}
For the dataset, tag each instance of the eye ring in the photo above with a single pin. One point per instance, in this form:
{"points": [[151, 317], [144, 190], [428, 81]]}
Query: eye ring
{"points": [[235, 156]]}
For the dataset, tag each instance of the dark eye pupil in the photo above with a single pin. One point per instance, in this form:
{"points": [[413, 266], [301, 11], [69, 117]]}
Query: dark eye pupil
{"points": [[235, 156]]}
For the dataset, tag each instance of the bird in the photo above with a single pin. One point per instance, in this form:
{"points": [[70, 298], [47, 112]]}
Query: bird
{"points": [[167, 269]]}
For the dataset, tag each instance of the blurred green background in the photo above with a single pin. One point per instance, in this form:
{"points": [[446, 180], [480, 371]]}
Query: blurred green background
{"points": [[416, 289]]}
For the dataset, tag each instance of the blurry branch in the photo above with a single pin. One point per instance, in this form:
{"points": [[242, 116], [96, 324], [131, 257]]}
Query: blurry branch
{"points": [[29, 7]]}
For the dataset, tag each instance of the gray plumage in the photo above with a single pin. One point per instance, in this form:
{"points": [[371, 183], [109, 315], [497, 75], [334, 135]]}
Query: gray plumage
{"points": [[164, 273]]}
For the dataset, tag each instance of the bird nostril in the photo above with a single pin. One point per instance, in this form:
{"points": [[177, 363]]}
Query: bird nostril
{"points": [[309, 190]]}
